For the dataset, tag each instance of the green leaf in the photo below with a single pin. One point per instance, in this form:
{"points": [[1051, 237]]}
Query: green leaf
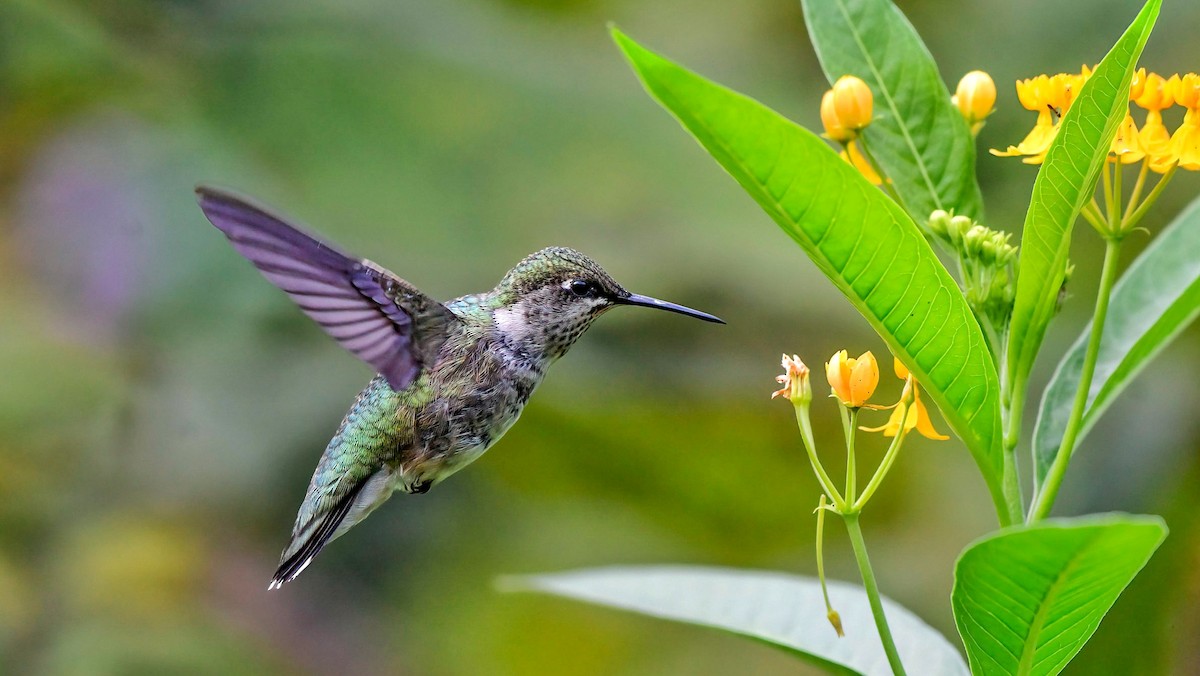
{"points": [[863, 242], [918, 136], [1152, 303], [1066, 182], [784, 611], [1027, 598]]}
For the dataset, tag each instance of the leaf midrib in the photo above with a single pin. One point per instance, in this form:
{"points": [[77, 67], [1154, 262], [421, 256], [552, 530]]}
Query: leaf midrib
{"points": [[1025, 666], [891, 103]]}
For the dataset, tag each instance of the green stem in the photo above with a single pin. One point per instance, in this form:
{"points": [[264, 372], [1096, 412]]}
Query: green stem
{"points": [[1114, 216], [868, 578], [1109, 208], [1092, 215], [851, 463], [1012, 435], [1137, 188], [834, 619], [1010, 505], [1049, 492], [1138, 213], [884, 466], [806, 436]]}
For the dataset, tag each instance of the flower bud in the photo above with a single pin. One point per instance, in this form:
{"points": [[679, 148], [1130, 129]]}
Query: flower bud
{"points": [[852, 102], [1138, 86], [973, 240], [959, 225], [939, 224], [829, 119], [976, 96], [836, 620], [853, 380]]}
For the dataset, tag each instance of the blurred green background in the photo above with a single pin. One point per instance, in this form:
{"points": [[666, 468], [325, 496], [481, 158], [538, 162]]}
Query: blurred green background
{"points": [[162, 406]]}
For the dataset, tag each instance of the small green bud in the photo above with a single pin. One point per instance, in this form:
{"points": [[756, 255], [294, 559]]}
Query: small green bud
{"points": [[959, 225], [939, 224]]}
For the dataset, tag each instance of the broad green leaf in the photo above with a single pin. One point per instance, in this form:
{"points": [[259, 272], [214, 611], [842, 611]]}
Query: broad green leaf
{"points": [[918, 136], [1064, 184], [862, 240], [784, 611], [1154, 300], [1027, 598]]}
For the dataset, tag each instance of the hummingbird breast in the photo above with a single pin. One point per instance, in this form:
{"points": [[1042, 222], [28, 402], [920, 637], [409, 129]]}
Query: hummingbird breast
{"points": [[469, 398]]}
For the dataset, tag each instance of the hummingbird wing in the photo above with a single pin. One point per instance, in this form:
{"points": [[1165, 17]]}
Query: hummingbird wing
{"points": [[380, 318]]}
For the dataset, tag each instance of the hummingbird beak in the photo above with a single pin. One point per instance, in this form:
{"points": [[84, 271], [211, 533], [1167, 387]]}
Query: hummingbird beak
{"points": [[647, 301]]}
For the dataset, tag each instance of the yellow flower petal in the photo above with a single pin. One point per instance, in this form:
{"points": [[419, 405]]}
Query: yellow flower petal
{"points": [[1126, 146], [855, 157], [1185, 143], [853, 381], [829, 119], [1156, 141], [853, 102], [1156, 95]]}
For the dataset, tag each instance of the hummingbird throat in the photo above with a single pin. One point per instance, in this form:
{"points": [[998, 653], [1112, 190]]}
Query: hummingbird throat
{"points": [[539, 326]]}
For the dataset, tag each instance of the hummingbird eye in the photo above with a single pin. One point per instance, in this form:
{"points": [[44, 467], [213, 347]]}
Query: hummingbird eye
{"points": [[581, 287]]}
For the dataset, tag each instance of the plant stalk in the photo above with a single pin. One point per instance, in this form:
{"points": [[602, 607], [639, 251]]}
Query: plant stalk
{"points": [[806, 436], [851, 463], [1045, 498], [868, 578]]}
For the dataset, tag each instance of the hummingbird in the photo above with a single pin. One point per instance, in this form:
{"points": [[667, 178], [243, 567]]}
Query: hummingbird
{"points": [[452, 377]]}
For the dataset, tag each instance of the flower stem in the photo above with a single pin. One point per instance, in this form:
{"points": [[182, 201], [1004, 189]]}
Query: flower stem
{"points": [[1091, 214], [830, 613], [851, 463], [884, 465], [1109, 205], [1132, 220], [868, 578], [806, 436], [1137, 188], [1114, 216], [1049, 492]]}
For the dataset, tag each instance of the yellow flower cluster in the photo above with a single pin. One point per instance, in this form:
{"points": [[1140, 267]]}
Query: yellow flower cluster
{"points": [[1051, 96]]}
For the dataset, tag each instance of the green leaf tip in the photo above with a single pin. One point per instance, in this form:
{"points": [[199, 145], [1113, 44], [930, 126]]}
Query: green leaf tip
{"points": [[1065, 182]]}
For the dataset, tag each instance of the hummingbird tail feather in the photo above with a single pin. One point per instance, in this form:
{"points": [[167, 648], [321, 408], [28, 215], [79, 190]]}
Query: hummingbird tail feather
{"points": [[317, 537]]}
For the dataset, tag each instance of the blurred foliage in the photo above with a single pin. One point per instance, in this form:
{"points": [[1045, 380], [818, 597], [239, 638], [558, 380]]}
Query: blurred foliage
{"points": [[161, 407]]}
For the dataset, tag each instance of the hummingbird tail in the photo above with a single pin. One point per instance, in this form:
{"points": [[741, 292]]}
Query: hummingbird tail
{"points": [[318, 535]]}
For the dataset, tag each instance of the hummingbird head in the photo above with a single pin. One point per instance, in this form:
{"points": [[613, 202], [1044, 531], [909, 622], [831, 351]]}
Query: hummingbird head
{"points": [[551, 297]]}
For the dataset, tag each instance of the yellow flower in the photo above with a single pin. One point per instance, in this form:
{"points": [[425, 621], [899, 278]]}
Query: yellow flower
{"points": [[975, 96], [853, 102], [1126, 145], [914, 416], [829, 119], [796, 386], [1044, 95], [1155, 140], [1033, 147], [1185, 143], [1186, 90], [853, 380], [1155, 95], [855, 157], [1050, 97]]}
